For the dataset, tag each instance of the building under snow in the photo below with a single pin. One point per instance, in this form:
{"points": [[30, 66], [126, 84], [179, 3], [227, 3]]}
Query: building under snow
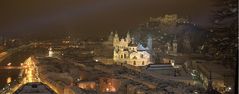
{"points": [[127, 51]]}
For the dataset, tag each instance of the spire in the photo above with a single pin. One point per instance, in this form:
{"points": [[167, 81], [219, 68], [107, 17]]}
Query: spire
{"points": [[128, 39], [133, 40], [128, 35], [168, 45], [111, 33], [50, 49], [149, 43], [111, 36], [50, 52], [116, 34], [116, 39], [174, 44]]}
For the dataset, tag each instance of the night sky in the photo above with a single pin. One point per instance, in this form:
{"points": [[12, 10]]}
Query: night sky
{"points": [[90, 18]]}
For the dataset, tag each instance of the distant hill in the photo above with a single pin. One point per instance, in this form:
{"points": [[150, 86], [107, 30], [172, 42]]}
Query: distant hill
{"points": [[165, 29]]}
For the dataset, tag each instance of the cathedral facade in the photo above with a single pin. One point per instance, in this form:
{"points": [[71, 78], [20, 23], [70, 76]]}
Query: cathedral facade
{"points": [[127, 51]]}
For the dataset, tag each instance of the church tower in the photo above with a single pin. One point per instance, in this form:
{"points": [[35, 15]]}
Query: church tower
{"points": [[128, 38], [5, 43], [187, 45], [133, 40], [50, 52], [168, 46], [110, 39], [116, 39], [149, 42], [175, 46]]}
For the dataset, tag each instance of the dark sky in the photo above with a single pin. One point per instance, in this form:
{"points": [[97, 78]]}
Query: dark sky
{"points": [[90, 18]]}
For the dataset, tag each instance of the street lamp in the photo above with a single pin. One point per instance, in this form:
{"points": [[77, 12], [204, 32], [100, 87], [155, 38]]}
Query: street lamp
{"points": [[172, 64], [228, 89]]}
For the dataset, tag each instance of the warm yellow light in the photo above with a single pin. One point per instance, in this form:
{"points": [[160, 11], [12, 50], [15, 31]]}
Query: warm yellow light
{"points": [[9, 64], [172, 64], [9, 80], [107, 89]]}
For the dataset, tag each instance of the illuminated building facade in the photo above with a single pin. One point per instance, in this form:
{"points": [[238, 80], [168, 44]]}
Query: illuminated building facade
{"points": [[50, 52], [127, 51], [109, 85], [87, 85]]}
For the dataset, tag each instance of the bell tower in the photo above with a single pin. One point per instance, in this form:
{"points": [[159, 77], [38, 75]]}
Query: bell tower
{"points": [[128, 38], [116, 39], [149, 42], [175, 45], [110, 39], [50, 52]]}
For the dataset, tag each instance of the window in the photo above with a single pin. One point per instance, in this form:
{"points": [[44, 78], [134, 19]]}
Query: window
{"points": [[134, 62], [142, 56], [143, 63], [124, 55], [121, 56]]}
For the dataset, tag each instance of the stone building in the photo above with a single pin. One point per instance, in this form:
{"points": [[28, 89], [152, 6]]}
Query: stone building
{"points": [[128, 51]]}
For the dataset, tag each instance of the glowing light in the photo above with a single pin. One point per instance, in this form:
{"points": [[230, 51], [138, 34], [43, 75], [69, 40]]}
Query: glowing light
{"points": [[195, 92], [9, 80], [78, 79], [110, 88], [229, 89], [113, 89], [87, 85], [172, 64], [50, 53], [107, 89], [9, 64], [30, 71]]}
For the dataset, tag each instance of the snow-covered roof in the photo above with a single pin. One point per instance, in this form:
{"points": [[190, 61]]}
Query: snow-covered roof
{"points": [[140, 47]]}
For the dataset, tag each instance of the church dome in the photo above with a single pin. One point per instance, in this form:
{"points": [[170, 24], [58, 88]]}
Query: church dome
{"points": [[140, 47]]}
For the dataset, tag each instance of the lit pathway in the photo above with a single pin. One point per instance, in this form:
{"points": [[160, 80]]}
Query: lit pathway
{"points": [[31, 73]]}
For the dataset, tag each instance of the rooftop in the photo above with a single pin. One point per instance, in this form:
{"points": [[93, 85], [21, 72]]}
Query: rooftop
{"points": [[34, 88]]}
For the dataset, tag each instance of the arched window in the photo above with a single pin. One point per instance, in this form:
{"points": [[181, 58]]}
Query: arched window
{"points": [[134, 62], [143, 63], [142, 56], [124, 55], [121, 56]]}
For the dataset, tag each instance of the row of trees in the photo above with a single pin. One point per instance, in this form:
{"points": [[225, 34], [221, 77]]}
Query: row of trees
{"points": [[222, 36]]}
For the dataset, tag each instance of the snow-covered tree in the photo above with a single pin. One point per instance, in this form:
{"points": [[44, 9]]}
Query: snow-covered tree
{"points": [[222, 37]]}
